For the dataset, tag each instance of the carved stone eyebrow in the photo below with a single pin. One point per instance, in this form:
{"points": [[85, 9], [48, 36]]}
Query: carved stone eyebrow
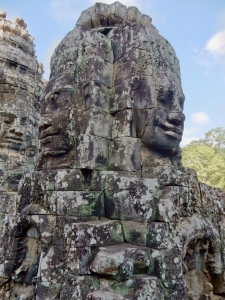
{"points": [[8, 114]]}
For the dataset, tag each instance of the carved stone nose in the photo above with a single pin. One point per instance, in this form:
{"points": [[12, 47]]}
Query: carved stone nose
{"points": [[45, 122], [176, 118], [16, 130]]}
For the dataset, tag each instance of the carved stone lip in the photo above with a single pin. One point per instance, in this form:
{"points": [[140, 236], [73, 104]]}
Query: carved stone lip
{"points": [[14, 138], [173, 134], [53, 153], [47, 139], [168, 128], [45, 136], [178, 131]]}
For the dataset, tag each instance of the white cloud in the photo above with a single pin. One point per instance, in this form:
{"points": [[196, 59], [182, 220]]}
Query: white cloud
{"points": [[136, 3], [191, 130], [216, 45], [65, 10], [196, 128], [213, 53], [187, 139], [190, 134], [200, 118]]}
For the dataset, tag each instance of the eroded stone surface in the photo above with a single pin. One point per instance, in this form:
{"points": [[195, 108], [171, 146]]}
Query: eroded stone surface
{"points": [[109, 212]]}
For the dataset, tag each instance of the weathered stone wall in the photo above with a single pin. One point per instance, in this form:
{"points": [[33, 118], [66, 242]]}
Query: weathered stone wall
{"points": [[109, 212], [21, 86], [21, 89]]}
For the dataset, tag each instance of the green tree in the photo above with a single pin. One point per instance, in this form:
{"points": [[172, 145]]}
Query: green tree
{"points": [[207, 157]]}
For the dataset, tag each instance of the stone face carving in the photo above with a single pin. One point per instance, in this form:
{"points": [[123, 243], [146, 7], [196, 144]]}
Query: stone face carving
{"points": [[112, 86], [21, 87], [109, 212], [20, 90]]}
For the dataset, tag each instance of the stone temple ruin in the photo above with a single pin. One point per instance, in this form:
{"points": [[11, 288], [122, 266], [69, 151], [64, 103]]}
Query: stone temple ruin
{"points": [[104, 209]]}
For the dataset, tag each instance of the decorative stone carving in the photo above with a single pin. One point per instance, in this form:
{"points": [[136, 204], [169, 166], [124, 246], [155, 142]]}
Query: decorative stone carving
{"points": [[109, 212], [20, 91], [21, 87]]}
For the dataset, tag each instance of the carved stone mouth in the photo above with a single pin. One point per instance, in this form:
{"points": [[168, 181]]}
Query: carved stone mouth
{"points": [[173, 134], [168, 128], [53, 153], [14, 139], [45, 136]]}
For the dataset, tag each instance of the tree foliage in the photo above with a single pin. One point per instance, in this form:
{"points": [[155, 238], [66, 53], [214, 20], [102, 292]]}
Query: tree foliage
{"points": [[207, 157]]}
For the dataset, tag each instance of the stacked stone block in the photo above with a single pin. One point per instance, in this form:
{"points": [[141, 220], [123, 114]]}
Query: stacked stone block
{"points": [[109, 212]]}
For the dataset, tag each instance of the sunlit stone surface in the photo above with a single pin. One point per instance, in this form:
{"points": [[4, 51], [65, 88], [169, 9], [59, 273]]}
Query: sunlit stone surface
{"points": [[109, 212]]}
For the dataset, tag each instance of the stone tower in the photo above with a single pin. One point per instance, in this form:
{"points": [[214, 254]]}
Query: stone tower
{"points": [[110, 213], [21, 86], [21, 89]]}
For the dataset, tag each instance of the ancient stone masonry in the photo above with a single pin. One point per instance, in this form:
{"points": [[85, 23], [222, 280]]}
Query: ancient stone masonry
{"points": [[109, 212], [21, 89], [21, 85]]}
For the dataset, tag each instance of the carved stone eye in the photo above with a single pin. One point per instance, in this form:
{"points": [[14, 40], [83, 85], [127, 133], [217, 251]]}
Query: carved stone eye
{"points": [[162, 99], [24, 121], [9, 120]]}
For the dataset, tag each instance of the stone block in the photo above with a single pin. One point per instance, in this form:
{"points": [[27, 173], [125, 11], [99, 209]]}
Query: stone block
{"points": [[99, 44], [168, 268], [124, 124], [170, 175], [136, 40], [167, 205], [115, 182], [92, 152], [129, 205], [93, 67], [78, 287], [52, 265], [185, 209], [194, 193], [138, 287], [75, 203], [124, 155], [103, 295], [135, 232], [47, 290], [98, 96], [8, 203], [77, 261], [95, 124], [122, 99], [136, 63], [128, 198], [70, 180], [98, 180], [159, 235], [122, 261], [93, 233]]}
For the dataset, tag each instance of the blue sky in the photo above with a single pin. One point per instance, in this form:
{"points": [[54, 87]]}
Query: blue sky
{"points": [[195, 28]]}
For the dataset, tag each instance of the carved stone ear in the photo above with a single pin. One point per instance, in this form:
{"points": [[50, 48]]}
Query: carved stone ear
{"points": [[87, 93]]}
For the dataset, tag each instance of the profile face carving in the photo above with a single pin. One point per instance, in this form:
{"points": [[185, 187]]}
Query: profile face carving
{"points": [[165, 126], [125, 93], [55, 125]]}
